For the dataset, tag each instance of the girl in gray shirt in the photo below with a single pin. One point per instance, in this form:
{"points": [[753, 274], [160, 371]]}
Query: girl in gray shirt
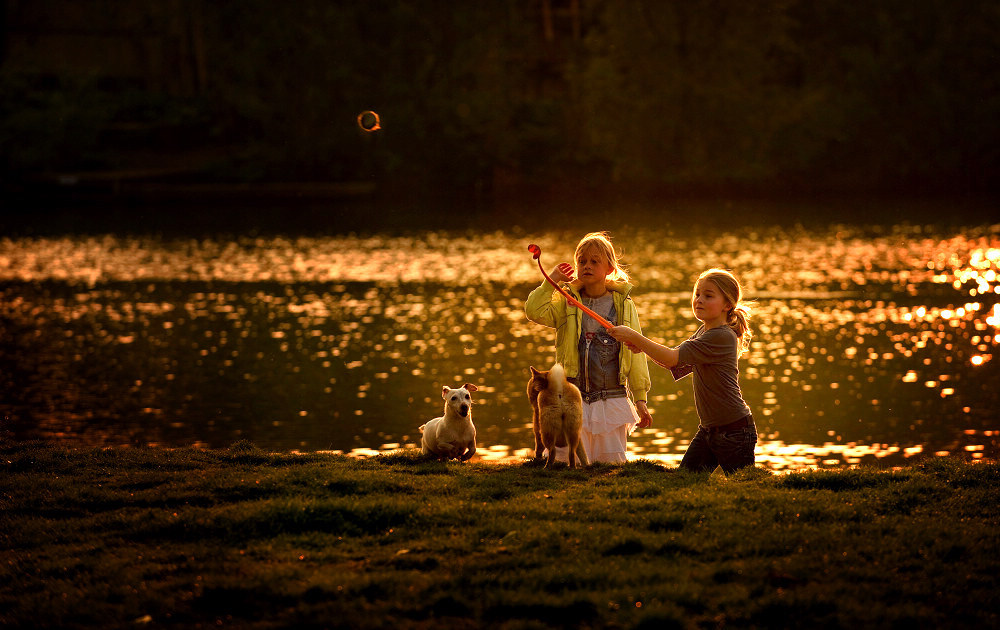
{"points": [[726, 432]]}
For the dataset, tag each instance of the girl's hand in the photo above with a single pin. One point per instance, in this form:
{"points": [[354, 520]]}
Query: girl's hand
{"points": [[625, 335], [645, 418], [621, 333], [563, 272]]}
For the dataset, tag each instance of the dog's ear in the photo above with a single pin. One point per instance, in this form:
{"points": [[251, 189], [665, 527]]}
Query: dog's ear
{"points": [[444, 392], [471, 387], [534, 372]]}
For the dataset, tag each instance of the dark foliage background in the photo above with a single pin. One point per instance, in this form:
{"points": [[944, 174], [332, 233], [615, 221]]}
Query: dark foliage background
{"points": [[770, 95]]}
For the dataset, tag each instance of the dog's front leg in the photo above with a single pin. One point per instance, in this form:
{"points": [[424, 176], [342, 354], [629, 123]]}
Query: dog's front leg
{"points": [[445, 450], [539, 447], [552, 456], [469, 452]]}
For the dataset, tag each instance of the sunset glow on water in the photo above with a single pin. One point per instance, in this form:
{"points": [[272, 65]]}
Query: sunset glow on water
{"points": [[871, 345]]}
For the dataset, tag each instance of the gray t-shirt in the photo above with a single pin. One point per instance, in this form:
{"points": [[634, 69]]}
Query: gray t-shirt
{"points": [[712, 355], [601, 306]]}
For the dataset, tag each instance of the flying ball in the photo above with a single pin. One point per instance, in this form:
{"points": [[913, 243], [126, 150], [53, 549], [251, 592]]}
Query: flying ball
{"points": [[369, 121]]}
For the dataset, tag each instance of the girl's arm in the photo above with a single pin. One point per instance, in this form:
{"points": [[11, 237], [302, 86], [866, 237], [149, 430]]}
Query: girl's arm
{"points": [[544, 304], [638, 376], [636, 342]]}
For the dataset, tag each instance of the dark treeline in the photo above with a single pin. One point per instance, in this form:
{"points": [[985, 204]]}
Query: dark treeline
{"points": [[766, 95]]}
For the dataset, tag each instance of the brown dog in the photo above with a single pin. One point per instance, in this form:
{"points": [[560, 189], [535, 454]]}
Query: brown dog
{"points": [[556, 414]]}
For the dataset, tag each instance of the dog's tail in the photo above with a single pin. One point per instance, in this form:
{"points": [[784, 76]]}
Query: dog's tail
{"points": [[557, 376]]}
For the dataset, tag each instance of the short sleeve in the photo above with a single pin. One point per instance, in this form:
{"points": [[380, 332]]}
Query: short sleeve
{"points": [[713, 346], [680, 371]]}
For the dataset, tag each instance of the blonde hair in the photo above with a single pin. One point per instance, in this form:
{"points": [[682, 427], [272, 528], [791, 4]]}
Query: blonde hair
{"points": [[738, 317], [602, 242]]}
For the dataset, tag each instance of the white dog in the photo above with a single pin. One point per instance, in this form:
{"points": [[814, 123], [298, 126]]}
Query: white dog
{"points": [[452, 436]]}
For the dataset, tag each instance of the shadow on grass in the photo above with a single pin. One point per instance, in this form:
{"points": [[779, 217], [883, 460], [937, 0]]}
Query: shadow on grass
{"points": [[276, 517]]}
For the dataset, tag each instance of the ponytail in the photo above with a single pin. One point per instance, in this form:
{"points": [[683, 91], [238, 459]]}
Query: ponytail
{"points": [[739, 321]]}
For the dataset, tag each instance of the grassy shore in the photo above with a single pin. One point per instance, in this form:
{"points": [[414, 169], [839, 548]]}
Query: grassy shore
{"points": [[239, 537]]}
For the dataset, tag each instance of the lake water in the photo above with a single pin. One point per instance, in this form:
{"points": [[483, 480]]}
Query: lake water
{"points": [[872, 343]]}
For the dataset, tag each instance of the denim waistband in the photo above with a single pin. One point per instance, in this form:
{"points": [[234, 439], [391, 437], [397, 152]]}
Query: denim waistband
{"points": [[745, 421], [600, 394]]}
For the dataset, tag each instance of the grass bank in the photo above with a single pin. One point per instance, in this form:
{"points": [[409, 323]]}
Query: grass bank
{"points": [[240, 537]]}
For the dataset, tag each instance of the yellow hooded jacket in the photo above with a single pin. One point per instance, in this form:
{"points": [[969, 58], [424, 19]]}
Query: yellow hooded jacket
{"points": [[548, 307]]}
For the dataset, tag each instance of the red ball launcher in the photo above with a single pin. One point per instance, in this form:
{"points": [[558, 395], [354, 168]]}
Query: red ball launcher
{"points": [[536, 253]]}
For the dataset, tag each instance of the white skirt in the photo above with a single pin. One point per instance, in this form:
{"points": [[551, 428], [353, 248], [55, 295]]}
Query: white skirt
{"points": [[606, 427]]}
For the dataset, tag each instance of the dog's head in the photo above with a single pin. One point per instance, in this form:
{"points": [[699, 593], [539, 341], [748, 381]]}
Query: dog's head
{"points": [[459, 400], [539, 380]]}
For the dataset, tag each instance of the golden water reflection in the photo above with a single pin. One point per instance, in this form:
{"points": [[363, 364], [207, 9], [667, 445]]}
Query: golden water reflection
{"points": [[774, 455], [871, 344]]}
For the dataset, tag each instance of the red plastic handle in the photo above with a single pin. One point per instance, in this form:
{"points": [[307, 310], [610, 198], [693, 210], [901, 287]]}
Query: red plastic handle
{"points": [[536, 253]]}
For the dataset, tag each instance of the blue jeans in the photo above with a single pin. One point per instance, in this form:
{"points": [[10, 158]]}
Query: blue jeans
{"points": [[730, 449]]}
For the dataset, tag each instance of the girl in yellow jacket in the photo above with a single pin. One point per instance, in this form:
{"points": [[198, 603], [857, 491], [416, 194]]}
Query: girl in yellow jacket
{"points": [[608, 375]]}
